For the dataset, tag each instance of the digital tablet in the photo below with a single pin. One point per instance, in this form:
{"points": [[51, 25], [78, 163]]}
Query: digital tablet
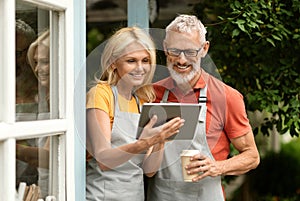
{"points": [[166, 112]]}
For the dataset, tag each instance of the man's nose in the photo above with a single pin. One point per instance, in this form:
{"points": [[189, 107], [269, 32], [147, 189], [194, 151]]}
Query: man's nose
{"points": [[182, 58]]}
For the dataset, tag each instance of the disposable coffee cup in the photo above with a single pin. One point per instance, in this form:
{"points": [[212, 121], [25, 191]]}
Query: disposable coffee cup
{"points": [[185, 160]]}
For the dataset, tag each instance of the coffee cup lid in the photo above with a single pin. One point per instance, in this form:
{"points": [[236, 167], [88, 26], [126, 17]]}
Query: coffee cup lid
{"points": [[189, 152]]}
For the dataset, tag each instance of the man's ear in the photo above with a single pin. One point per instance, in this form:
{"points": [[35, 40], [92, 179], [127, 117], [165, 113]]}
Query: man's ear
{"points": [[205, 49]]}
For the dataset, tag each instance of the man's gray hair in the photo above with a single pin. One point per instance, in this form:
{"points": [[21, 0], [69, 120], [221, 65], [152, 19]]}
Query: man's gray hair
{"points": [[187, 24], [25, 30]]}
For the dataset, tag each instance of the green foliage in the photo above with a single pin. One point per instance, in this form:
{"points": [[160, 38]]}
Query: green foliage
{"points": [[94, 38], [278, 174], [256, 45], [98, 33]]}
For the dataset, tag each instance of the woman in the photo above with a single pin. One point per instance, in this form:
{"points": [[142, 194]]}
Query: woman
{"points": [[119, 160]]}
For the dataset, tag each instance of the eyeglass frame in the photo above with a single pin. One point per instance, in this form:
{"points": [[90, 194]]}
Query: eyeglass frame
{"points": [[184, 52]]}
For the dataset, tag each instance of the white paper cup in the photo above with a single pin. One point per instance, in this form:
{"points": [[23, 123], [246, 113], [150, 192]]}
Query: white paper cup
{"points": [[185, 160]]}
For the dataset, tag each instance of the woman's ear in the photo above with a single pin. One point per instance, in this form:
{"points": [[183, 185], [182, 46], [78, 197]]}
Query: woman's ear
{"points": [[113, 66]]}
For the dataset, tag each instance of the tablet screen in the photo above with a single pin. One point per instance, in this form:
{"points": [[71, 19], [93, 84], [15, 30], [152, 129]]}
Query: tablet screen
{"points": [[166, 112]]}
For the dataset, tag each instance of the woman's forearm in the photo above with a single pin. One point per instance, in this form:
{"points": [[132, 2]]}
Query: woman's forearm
{"points": [[110, 158], [153, 159]]}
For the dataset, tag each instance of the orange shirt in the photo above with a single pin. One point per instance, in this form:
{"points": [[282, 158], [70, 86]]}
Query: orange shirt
{"points": [[101, 97], [226, 115]]}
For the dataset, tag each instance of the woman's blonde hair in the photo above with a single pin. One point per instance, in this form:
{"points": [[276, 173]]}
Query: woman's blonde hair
{"points": [[43, 39], [116, 47]]}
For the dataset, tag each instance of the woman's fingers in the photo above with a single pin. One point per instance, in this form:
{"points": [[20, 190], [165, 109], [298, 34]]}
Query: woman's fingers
{"points": [[164, 131], [175, 123], [172, 127], [152, 122]]}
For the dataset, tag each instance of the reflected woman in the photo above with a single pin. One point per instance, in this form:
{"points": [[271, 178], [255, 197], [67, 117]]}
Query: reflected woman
{"points": [[38, 58]]}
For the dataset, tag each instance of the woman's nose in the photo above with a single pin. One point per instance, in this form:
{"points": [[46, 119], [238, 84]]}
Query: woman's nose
{"points": [[139, 65]]}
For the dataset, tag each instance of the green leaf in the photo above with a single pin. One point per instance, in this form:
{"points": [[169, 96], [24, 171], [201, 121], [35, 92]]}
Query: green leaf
{"points": [[253, 25], [235, 32], [271, 41], [242, 28], [257, 84], [296, 36], [259, 21], [276, 37], [237, 4], [240, 21]]}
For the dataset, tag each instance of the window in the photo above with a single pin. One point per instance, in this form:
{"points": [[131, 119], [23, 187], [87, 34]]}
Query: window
{"points": [[36, 99]]}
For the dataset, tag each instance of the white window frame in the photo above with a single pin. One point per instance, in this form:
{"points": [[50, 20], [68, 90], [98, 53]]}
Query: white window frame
{"points": [[64, 122]]}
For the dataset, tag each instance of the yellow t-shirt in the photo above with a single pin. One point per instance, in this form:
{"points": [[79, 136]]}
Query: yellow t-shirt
{"points": [[101, 97]]}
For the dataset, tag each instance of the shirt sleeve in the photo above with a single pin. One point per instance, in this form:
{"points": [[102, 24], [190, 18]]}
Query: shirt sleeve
{"points": [[100, 97], [237, 123]]}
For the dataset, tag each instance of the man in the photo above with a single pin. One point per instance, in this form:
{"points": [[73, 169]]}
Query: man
{"points": [[26, 82], [222, 121]]}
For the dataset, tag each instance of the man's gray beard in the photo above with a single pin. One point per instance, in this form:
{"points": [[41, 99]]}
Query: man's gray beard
{"points": [[182, 79]]}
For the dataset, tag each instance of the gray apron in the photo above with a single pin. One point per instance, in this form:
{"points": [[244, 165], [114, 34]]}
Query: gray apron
{"points": [[168, 184], [124, 182]]}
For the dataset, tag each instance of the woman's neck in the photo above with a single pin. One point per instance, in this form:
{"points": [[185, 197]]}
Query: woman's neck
{"points": [[125, 91]]}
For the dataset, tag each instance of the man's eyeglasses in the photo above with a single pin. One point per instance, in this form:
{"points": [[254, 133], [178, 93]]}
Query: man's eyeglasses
{"points": [[188, 52]]}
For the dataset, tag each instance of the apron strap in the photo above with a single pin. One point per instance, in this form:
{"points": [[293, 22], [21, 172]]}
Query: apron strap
{"points": [[137, 100], [115, 93], [165, 97], [202, 99]]}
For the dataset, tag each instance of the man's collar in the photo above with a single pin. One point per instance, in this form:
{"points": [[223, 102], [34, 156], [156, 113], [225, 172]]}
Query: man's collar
{"points": [[200, 84]]}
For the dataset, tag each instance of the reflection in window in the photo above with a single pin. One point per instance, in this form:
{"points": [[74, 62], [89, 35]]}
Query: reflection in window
{"points": [[38, 59], [26, 82], [32, 167], [32, 62], [32, 96], [36, 166]]}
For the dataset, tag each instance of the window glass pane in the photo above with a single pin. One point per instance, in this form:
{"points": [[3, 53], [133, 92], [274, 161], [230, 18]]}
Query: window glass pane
{"points": [[33, 165], [32, 62], [33, 162]]}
